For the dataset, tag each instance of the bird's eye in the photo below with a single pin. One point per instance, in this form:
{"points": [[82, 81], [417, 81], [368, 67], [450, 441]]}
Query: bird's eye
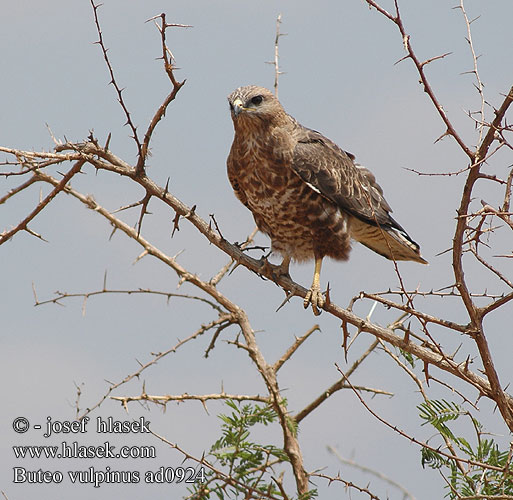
{"points": [[257, 100]]}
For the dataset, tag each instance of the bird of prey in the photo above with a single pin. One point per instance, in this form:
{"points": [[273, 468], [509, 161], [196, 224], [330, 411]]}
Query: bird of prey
{"points": [[307, 194]]}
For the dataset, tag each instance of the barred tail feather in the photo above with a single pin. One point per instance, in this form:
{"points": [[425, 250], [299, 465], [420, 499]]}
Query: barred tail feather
{"points": [[392, 243]]}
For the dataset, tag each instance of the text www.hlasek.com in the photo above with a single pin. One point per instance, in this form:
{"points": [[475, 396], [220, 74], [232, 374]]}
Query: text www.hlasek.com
{"points": [[92, 475], [74, 450]]}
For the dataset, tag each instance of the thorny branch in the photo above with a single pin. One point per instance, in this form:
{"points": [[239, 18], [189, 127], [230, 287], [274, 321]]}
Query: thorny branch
{"points": [[276, 60], [59, 186], [477, 158], [397, 20], [156, 358], [352, 463], [167, 58], [118, 89], [411, 438], [92, 151], [480, 123], [251, 491], [347, 484], [203, 398], [60, 296]]}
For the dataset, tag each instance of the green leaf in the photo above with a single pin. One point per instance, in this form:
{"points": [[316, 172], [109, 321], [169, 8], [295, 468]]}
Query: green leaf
{"points": [[241, 457], [432, 459]]}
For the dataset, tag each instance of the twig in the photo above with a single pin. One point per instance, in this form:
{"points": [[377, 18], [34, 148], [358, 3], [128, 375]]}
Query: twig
{"points": [[276, 60], [418, 383], [338, 385], [347, 484], [224, 270], [144, 205], [119, 90], [161, 111], [228, 479], [18, 189], [203, 398], [60, 186], [378, 474], [413, 312], [411, 438], [475, 71], [397, 20], [156, 358], [294, 347], [146, 291]]}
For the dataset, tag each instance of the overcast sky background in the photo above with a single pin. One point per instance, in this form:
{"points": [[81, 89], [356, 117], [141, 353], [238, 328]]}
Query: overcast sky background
{"points": [[341, 80]]}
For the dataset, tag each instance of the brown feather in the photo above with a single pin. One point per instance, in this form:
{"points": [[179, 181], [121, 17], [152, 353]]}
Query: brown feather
{"points": [[304, 191]]}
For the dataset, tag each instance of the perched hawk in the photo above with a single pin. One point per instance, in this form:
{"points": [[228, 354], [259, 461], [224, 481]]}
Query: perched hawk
{"points": [[305, 193]]}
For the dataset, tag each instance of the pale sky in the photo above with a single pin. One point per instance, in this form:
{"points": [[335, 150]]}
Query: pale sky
{"points": [[340, 78]]}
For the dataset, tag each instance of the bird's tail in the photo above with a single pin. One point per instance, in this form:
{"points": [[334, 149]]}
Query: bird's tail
{"points": [[392, 243]]}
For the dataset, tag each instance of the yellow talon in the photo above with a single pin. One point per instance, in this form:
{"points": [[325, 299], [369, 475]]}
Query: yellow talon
{"points": [[314, 295]]}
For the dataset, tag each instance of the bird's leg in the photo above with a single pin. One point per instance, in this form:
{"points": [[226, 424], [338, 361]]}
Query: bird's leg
{"points": [[314, 295]]}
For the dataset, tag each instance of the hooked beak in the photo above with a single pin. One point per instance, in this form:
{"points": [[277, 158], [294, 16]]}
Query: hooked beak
{"points": [[238, 107]]}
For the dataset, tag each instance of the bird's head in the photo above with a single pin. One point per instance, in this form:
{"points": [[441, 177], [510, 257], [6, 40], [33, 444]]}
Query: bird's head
{"points": [[254, 104]]}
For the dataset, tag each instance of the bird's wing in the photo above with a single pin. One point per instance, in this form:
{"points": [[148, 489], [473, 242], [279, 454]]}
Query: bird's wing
{"points": [[332, 172]]}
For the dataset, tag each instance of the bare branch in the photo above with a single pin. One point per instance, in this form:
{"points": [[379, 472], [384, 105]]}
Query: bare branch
{"points": [[146, 291], [18, 189], [348, 484], [224, 270], [157, 357], [397, 20], [413, 312], [60, 186], [161, 111], [203, 398], [380, 475], [294, 347], [338, 385], [411, 438], [276, 60], [423, 353], [479, 84], [119, 91]]}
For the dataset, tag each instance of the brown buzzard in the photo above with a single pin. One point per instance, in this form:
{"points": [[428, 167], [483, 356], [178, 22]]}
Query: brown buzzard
{"points": [[305, 193]]}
